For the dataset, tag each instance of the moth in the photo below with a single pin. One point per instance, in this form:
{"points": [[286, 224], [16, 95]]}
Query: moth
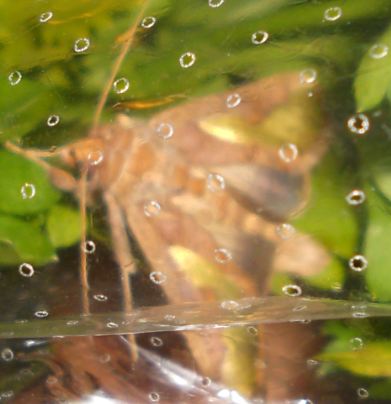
{"points": [[205, 189]]}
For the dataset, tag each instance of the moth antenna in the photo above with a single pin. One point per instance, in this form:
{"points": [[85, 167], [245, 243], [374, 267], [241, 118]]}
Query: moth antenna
{"points": [[129, 35], [83, 254]]}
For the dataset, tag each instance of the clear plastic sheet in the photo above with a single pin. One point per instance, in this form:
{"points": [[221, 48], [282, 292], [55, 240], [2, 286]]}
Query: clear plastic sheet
{"points": [[195, 201]]}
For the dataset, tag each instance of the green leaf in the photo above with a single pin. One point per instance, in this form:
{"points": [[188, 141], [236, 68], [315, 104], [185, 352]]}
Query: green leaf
{"points": [[23, 241], [20, 174], [64, 226], [329, 277], [373, 360], [378, 252], [328, 218], [23, 106], [373, 76]]}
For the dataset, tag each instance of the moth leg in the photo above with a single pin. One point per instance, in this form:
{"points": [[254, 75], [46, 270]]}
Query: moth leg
{"points": [[123, 257]]}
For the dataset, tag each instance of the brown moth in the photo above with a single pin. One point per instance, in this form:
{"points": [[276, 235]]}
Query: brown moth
{"points": [[203, 189]]}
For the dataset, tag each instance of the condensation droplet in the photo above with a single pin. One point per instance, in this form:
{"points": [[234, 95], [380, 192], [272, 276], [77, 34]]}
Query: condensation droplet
{"points": [[72, 322], [111, 324], [81, 45], [356, 343], [311, 363], [378, 51], [53, 120], [360, 314], [165, 130], [215, 182], [252, 330], [358, 263], [89, 247], [105, 358], [152, 208], [156, 341], [170, 317], [28, 191], [359, 124], [7, 354], [121, 85], [187, 60], [154, 397], [233, 100], [45, 17], [333, 13], [51, 380], [362, 393], [26, 270], [259, 37], [15, 78], [288, 152], [285, 231], [157, 277], [206, 381], [100, 298], [308, 76], [292, 290], [148, 22], [300, 307], [229, 305], [215, 3], [356, 197], [41, 313], [95, 157], [222, 255]]}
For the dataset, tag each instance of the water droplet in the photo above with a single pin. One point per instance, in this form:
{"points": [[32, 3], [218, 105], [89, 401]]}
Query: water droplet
{"points": [[15, 78], [359, 124], [360, 314], [51, 380], [356, 343], [152, 208], [362, 393], [215, 182], [156, 341], [311, 363], [7, 354], [215, 3], [111, 324], [28, 191], [157, 277], [285, 231], [26, 270], [292, 290], [187, 60], [170, 317], [41, 313], [229, 305], [72, 322], [89, 247], [165, 130], [100, 298], [154, 397], [288, 152], [356, 197], [222, 255], [95, 157], [81, 45], [148, 22], [105, 358], [378, 51], [233, 100], [7, 394], [358, 263], [308, 76], [206, 381], [300, 307], [45, 17], [259, 37], [333, 13], [53, 120], [121, 85], [252, 330]]}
